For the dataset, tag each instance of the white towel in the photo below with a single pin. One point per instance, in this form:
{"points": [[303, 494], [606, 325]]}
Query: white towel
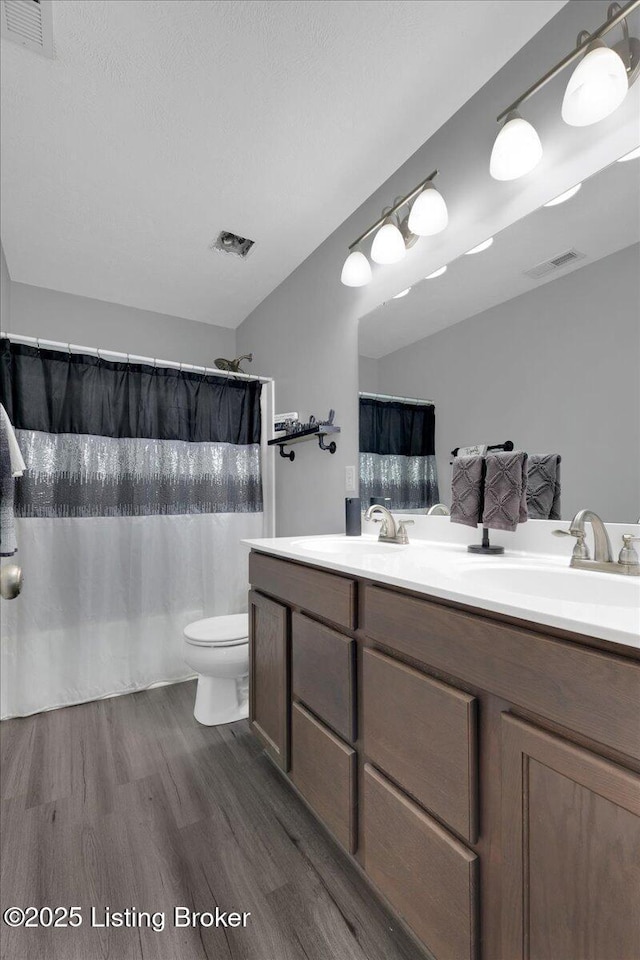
{"points": [[18, 466]]}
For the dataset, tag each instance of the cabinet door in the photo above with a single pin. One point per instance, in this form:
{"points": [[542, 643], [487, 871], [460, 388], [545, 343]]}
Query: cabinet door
{"points": [[571, 850], [269, 675]]}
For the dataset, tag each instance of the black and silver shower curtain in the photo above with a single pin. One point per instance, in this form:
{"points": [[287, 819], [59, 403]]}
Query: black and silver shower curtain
{"points": [[397, 453], [104, 438], [141, 485]]}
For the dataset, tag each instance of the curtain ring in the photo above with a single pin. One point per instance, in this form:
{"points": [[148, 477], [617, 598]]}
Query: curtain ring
{"points": [[98, 354], [38, 344], [69, 349]]}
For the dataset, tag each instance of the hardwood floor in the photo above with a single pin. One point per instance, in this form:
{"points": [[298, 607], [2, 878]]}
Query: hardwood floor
{"points": [[129, 802]]}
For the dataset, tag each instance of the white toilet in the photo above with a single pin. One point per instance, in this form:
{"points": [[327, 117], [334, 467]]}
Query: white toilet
{"points": [[218, 650]]}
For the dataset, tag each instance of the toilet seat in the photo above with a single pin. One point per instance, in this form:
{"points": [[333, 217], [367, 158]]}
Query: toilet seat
{"points": [[228, 631]]}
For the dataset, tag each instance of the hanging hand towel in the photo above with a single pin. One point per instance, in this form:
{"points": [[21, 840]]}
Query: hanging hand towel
{"points": [[466, 491], [543, 487], [505, 490], [18, 465], [8, 545]]}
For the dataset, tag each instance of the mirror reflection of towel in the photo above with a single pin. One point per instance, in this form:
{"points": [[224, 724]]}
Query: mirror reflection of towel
{"points": [[505, 490], [543, 487]]}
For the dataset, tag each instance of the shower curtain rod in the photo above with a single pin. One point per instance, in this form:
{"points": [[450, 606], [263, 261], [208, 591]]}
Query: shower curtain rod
{"points": [[386, 396], [129, 357]]}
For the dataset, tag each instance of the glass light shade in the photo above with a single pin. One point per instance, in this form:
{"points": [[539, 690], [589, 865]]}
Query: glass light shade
{"points": [[436, 273], [481, 246], [402, 293], [356, 271], [597, 86], [388, 244], [516, 151], [429, 214], [633, 155], [571, 192]]}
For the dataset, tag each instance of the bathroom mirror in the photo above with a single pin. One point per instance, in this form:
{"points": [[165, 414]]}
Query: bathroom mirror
{"points": [[534, 340]]}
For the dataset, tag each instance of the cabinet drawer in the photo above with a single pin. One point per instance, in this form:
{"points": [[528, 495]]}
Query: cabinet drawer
{"points": [[326, 594], [427, 875], [324, 771], [323, 671], [583, 689], [423, 734]]}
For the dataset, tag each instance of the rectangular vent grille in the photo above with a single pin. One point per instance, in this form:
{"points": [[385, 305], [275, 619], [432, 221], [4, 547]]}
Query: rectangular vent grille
{"points": [[29, 23], [229, 242], [555, 263]]}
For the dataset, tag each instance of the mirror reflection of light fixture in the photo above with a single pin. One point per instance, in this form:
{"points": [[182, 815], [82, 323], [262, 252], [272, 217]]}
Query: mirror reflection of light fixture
{"points": [[388, 244], [356, 271], [562, 197], [429, 214], [481, 246], [517, 149], [402, 293], [632, 155], [437, 273], [597, 86]]}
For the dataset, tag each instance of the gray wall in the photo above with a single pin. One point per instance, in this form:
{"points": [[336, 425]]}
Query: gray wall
{"points": [[369, 380], [304, 334], [554, 370], [5, 293], [52, 315]]}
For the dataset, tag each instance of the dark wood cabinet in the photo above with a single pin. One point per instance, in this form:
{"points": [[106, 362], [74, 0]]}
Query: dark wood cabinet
{"points": [[269, 675], [323, 768], [571, 850], [422, 733], [429, 876], [323, 673], [484, 773]]}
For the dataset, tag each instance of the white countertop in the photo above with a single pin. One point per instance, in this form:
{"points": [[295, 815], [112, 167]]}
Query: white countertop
{"points": [[530, 586]]}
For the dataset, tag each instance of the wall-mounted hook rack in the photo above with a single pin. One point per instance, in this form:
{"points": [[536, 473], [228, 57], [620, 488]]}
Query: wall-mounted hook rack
{"points": [[313, 429]]}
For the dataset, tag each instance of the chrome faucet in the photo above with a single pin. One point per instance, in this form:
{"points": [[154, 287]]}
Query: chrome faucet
{"points": [[438, 510], [603, 562], [389, 532]]}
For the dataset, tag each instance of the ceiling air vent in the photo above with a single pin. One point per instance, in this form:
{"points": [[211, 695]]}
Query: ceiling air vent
{"points": [[555, 263], [29, 23], [231, 243]]}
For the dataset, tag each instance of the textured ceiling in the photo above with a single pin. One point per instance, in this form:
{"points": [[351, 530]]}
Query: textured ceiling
{"points": [[160, 123], [602, 218]]}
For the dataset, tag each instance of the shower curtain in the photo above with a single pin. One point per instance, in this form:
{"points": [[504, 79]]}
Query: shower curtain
{"points": [[397, 453], [140, 484]]}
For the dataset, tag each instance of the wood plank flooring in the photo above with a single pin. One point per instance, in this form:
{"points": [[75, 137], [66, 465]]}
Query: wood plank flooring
{"points": [[129, 802]]}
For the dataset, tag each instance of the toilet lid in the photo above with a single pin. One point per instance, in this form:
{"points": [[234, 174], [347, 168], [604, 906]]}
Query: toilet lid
{"points": [[230, 630]]}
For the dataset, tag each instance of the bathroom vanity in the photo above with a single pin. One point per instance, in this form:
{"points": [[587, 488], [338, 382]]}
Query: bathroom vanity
{"points": [[482, 768]]}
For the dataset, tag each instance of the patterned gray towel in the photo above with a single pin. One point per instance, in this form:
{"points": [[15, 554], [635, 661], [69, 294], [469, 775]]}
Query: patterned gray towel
{"points": [[543, 487], [8, 545], [466, 491], [505, 490]]}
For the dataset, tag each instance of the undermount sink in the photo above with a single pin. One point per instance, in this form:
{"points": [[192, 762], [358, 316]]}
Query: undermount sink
{"points": [[563, 585], [347, 546]]}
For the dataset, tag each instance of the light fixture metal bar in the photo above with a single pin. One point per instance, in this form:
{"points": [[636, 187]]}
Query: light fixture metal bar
{"points": [[409, 197], [608, 25]]}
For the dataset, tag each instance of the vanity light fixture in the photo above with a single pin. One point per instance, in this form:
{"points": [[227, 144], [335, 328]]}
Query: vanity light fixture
{"points": [[393, 235], [356, 271], [481, 246], [632, 155], [571, 192], [437, 273], [517, 149], [429, 214], [597, 86], [388, 243], [402, 293]]}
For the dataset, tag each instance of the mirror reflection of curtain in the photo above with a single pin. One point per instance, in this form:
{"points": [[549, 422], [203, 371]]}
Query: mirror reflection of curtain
{"points": [[397, 453], [141, 482]]}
